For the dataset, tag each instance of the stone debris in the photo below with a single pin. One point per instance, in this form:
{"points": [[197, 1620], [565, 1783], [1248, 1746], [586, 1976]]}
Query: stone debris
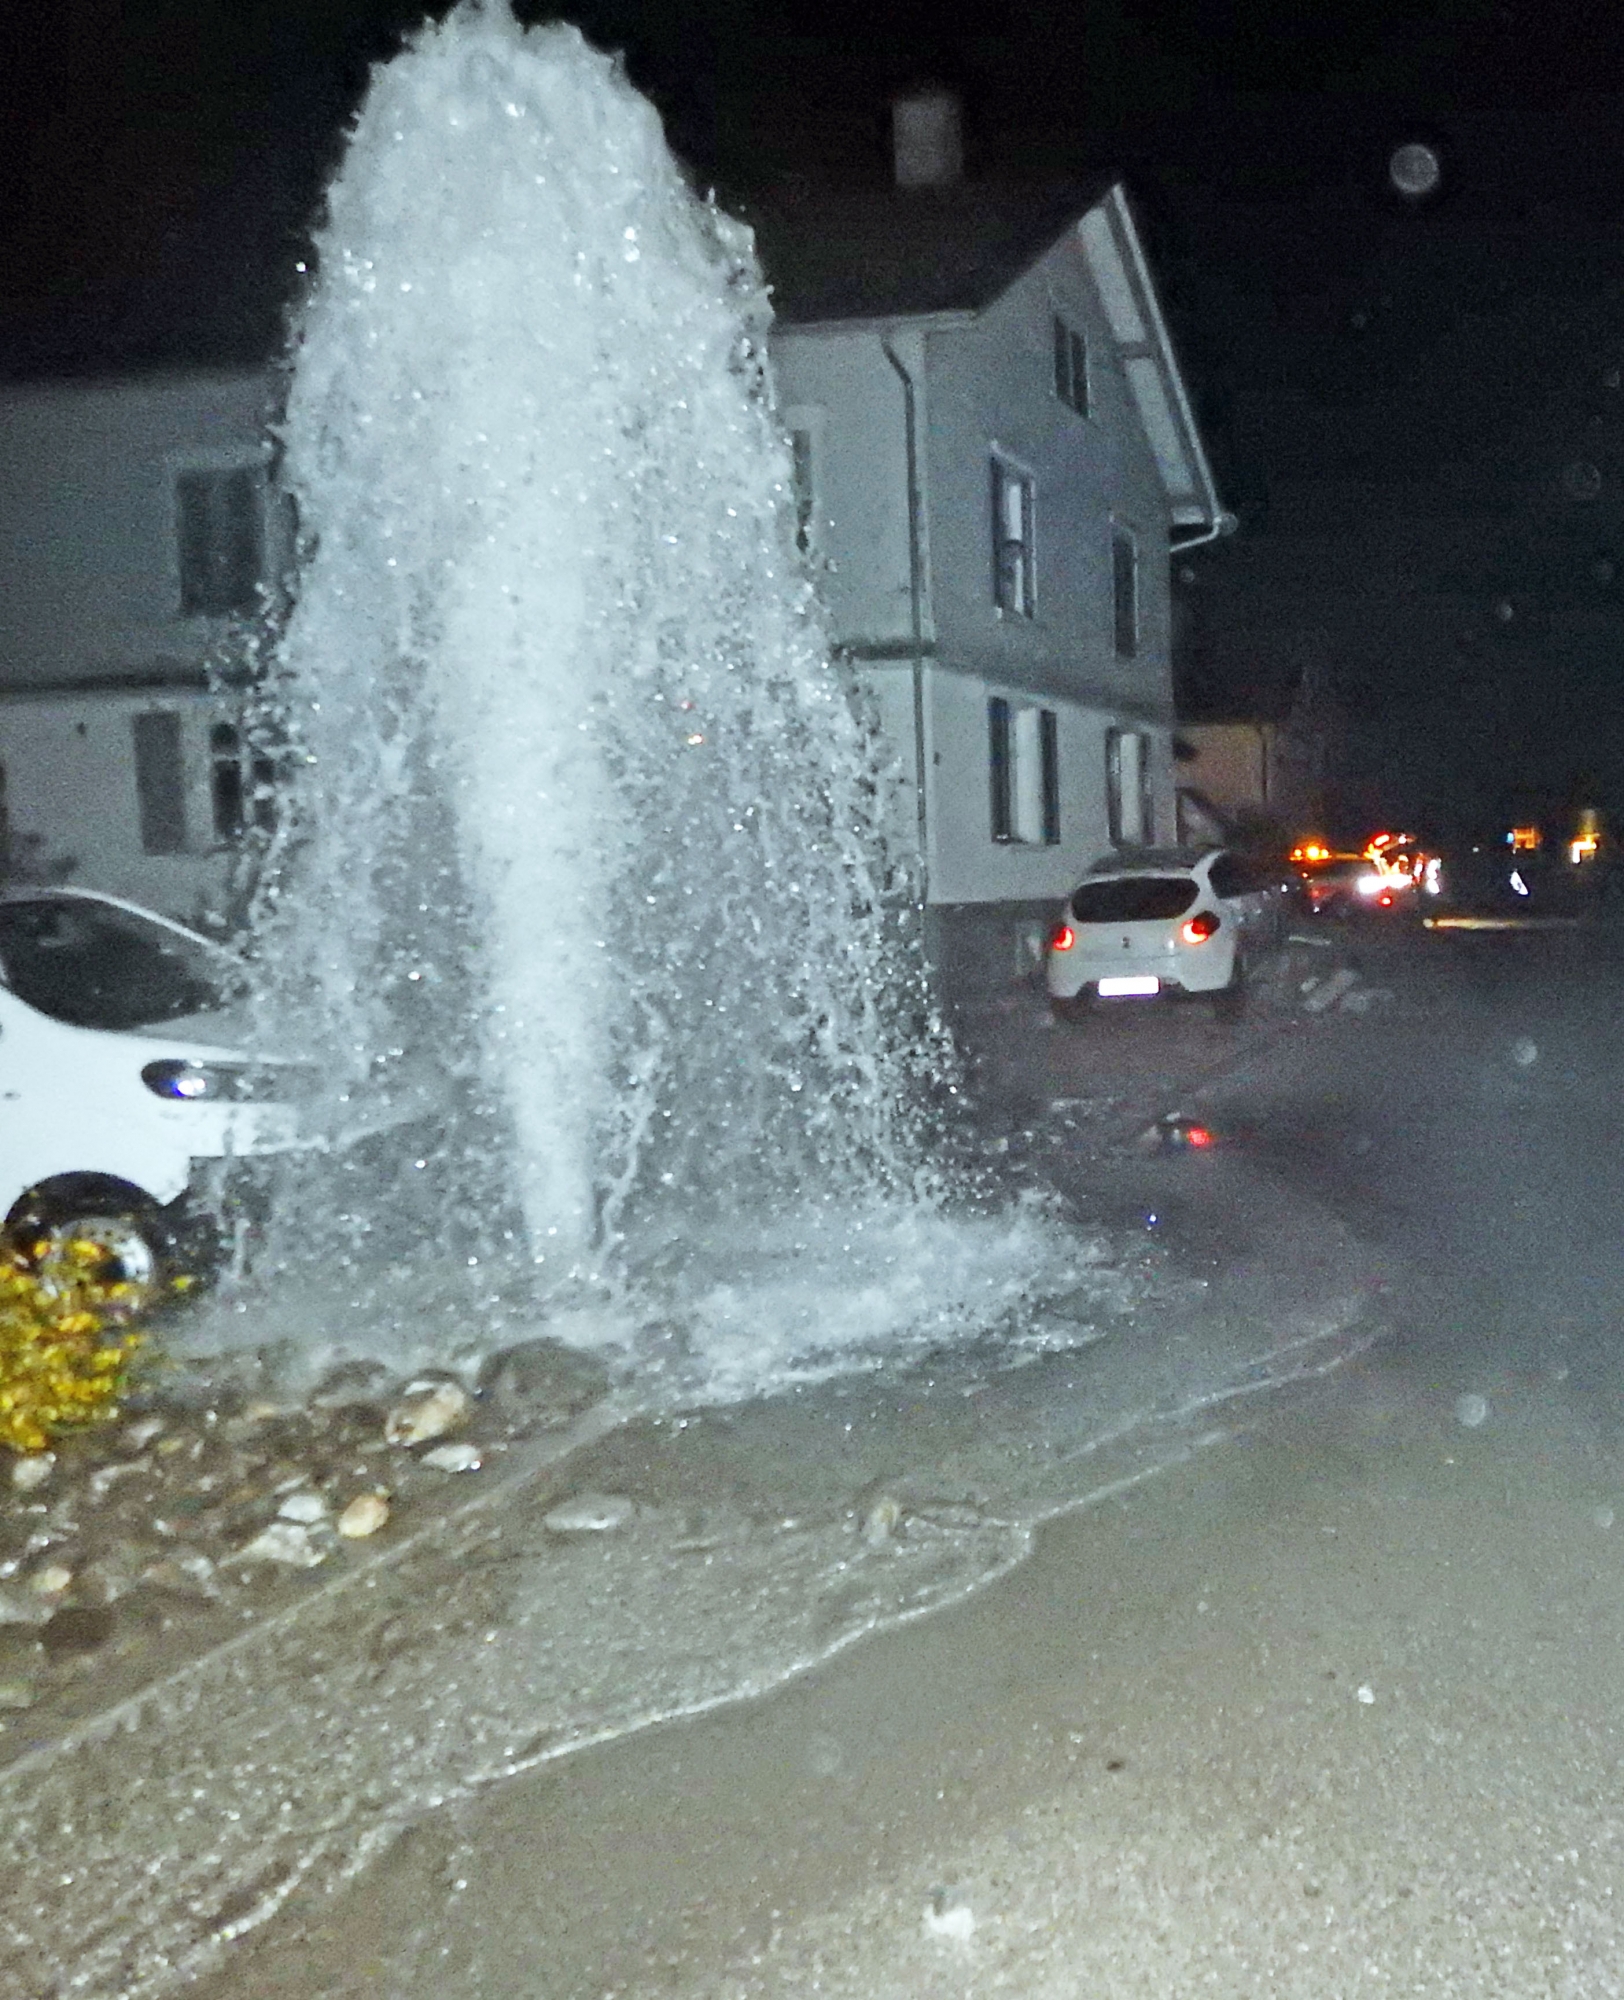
{"points": [[186, 1573], [882, 1520], [29, 1473], [427, 1410], [364, 1516], [956, 1922], [590, 1514], [22, 1607], [288, 1542], [453, 1458], [16, 1694], [223, 1490], [1471, 1411]]}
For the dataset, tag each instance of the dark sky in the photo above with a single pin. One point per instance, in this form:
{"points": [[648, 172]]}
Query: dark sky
{"points": [[1395, 395]]}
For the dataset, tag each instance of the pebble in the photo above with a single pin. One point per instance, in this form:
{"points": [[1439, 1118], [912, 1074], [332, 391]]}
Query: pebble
{"points": [[1603, 1517], [17, 1694], [304, 1505], [1366, 1694], [51, 1580], [1470, 1411], [137, 1436], [427, 1411], [882, 1520], [186, 1572], [453, 1458], [286, 1542], [364, 1516], [22, 1607], [957, 1923], [590, 1514], [30, 1473]]}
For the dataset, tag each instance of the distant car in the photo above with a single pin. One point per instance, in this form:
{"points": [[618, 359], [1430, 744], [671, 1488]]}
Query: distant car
{"points": [[1155, 923], [123, 1075], [1351, 885]]}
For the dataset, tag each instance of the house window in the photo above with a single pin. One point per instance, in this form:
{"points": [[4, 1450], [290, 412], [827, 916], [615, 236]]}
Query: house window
{"points": [[1014, 573], [242, 786], [1129, 807], [219, 540], [800, 443], [1125, 591], [1023, 762], [160, 782], [1070, 367]]}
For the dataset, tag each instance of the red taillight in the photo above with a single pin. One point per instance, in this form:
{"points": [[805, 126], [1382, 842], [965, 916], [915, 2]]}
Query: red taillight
{"points": [[1199, 928], [1063, 939], [1385, 901], [1197, 1135]]}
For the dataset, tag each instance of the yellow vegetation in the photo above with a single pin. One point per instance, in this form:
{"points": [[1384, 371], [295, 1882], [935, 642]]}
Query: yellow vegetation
{"points": [[64, 1360]]}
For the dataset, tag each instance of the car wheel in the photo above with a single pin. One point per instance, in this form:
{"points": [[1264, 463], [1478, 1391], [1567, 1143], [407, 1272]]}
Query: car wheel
{"points": [[1072, 1008], [115, 1258], [1229, 1002]]}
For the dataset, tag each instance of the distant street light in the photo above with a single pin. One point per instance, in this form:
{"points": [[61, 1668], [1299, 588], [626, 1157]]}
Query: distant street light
{"points": [[1415, 170]]}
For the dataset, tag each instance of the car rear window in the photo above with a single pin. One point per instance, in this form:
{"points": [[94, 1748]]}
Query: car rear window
{"points": [[1133, 899]]}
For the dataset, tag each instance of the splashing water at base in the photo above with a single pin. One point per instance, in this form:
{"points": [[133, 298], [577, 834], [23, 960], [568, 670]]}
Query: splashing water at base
{"points": [[586, 845]]}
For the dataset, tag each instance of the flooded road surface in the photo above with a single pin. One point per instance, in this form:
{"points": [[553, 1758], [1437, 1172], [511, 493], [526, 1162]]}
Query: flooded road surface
{"points": [[1128, 1738]]}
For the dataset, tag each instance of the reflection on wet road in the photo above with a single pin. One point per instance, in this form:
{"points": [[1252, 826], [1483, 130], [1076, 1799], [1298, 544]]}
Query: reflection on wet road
{"points": [[1439, 1169]]}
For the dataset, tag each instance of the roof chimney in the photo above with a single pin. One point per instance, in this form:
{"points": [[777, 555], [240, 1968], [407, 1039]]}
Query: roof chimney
{"points": [[925, 137]]}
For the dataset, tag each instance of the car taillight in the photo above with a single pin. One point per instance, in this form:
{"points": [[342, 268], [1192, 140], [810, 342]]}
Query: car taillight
{"points": [[1199, 928], [1064, 938]]}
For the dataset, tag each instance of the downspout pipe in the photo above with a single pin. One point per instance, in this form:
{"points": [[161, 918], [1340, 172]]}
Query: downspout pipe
{"points": [[916, 606]]}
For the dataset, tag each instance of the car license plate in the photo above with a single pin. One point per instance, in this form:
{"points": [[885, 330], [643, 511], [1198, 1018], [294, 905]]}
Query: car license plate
{"points": [[1137, 984]]}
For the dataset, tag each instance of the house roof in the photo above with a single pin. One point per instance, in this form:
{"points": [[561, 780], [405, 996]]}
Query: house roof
{"points": [[835, 257], [889, 253]]}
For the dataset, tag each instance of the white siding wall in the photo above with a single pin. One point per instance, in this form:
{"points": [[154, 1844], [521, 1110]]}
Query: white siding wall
{"points": [[72, 805], [87, 521]]}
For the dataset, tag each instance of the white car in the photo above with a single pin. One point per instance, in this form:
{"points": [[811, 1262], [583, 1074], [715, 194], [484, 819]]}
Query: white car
{"points": [[1150, 923], [123, 1075]]}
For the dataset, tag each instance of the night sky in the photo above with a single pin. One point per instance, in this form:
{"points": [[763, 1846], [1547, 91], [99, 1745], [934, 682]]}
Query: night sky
{"points": [[1416, 408]]}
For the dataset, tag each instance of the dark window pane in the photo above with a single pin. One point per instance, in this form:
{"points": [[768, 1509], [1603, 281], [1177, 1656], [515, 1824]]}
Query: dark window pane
{"points": [[1049, 738], [228, 799], [1134, 899], [1079, 374], [1125, 593], [160, 783], [1003, 826], [1062, 361]]}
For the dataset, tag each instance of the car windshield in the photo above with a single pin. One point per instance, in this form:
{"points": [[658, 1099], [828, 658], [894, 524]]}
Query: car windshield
{"points": [[94, 965], [1133, 899]]}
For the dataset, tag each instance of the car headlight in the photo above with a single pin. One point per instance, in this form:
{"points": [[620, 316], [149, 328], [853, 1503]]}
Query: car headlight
{"points": [[216, 1082]]}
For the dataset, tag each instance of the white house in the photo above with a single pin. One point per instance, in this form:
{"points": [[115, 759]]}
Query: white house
{"points": [[994, 453], [138, 525]]}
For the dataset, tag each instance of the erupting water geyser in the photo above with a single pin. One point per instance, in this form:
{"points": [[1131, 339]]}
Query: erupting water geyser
{"points": [[586, 827]]}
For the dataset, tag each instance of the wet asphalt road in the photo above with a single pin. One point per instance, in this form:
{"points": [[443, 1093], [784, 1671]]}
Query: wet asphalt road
{"points": [[1453, 1561]]}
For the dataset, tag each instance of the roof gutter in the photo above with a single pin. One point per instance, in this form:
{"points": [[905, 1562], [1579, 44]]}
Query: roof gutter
{"points": [[916, 606], [1223, 523]]}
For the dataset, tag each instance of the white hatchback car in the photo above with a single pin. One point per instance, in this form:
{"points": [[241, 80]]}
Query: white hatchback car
{"points": [[1152, 922], [122, 1076]]}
